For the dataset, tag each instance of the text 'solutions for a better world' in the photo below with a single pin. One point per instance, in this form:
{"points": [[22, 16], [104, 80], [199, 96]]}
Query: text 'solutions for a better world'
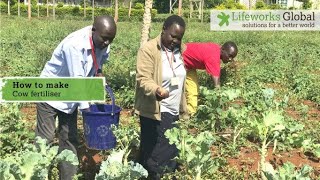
{"points": [[287, 17]]}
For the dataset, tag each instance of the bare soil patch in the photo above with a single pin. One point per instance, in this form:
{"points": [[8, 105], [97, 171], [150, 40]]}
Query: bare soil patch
{"points": [[29, 112], [313, 111], [248, 160]]}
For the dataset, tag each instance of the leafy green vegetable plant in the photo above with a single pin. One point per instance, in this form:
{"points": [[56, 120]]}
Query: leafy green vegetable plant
{"points": [[11, 121], [212, 113], [115, 168], [311, 146], [287, 172], [267, 129], [117, 165], [194, 151], [34, 162], [127, 137]]}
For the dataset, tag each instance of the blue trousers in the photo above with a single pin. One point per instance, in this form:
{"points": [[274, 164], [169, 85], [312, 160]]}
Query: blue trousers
{"points": [[67, 134], [156, 154]]}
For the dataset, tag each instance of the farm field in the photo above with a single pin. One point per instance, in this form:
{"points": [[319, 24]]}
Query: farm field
{"points": [[265, 115]]}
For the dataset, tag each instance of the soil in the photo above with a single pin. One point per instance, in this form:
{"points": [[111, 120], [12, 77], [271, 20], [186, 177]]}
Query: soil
{"points": [[248, 160], [313, 111], [29, 113], [90, 161]]}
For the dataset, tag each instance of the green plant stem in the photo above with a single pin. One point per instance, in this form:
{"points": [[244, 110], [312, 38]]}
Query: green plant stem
{"points": [[125, 158], [183, 147], [236, 136], [274, 146], [264, 152], [263, 158], [198, 176]]}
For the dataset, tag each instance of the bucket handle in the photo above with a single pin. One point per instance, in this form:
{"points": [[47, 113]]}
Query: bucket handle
{"points": [[109, 90]]}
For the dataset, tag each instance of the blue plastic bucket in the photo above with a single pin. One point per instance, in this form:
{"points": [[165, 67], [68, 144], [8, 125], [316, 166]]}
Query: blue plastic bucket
{"points": [[97, 124]]}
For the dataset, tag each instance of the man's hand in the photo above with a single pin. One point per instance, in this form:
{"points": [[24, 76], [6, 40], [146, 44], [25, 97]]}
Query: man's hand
{"points": [[216, 81], [161, 93], [99, 73]]}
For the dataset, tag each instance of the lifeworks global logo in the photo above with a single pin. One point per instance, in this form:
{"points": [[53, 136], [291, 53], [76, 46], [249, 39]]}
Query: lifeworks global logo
{"points": [[265, 20]]}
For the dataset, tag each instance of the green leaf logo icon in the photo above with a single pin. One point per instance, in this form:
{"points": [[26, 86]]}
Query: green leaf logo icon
{"points": [[224, 19]]}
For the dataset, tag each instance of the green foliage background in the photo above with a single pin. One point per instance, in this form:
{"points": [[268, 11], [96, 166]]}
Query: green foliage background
{"points": [[74, 12], [287, 58], [286, 61]]}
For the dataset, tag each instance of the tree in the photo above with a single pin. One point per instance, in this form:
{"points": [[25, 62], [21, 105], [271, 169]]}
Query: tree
{"points": [[84, 8], [53, 9], [180, 8], [38, 9], [212, 3], [116, 14], [92, 10], [29, 9], [130, 6], [8, 7], [146, 22], [19, 8], [307, 4], [47, 8], [162, 6]]}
